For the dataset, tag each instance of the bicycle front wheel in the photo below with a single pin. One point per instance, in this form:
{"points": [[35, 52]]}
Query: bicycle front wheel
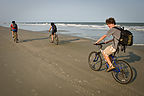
{"points": [[95, 61], [49, 38], [123, 72]]}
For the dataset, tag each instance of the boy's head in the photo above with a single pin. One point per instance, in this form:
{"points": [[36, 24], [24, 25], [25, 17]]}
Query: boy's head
{"points": [[52, 23], [110, 21], [13, 22]]}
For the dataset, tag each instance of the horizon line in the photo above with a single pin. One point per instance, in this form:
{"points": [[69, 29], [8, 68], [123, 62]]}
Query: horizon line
{"points": [[81, 21]]}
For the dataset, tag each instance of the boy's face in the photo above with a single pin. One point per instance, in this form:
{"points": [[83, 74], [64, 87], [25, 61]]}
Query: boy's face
{"points": [[110, 25]]}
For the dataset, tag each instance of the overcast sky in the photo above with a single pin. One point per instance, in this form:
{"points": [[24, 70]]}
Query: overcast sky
{"points": [[71, 10]]}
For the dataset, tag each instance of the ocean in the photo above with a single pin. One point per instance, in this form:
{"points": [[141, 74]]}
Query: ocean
{"points": [[91, 30]]}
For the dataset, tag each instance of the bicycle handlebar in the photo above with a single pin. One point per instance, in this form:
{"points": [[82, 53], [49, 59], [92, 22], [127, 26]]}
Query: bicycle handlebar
{"points": [[100, 45]]}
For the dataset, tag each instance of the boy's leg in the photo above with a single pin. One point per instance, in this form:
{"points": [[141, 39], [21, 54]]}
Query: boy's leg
{"points": [[109, 50], [52, 37], [12, 33], [16, 35]]}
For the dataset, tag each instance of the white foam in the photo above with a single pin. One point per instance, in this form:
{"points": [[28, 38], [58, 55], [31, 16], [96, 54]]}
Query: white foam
{"points": [[90, 26], [138, 44], [84, 26], [36, 24], [134, 28]]}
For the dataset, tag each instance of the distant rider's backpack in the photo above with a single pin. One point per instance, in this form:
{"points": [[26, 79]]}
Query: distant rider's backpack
{"points": [[54, 28], [15, 26], [126, 38]]}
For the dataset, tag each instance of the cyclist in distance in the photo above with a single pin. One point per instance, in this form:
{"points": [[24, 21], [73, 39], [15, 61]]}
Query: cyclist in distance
{"points": [[54, 30], [115, 33], [14, 28]]}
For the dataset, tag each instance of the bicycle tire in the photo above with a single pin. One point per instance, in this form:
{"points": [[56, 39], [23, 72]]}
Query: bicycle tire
{"points": [[123, 73], [15, 38], [49, 38], [56, 41], [95, 61]]}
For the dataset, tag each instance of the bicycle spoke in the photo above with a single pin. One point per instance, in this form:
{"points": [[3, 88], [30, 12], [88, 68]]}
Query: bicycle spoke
{"points": [[95, 61], [123, 73]]}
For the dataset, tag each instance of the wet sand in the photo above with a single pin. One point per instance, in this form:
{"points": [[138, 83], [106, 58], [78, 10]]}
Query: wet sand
{"points": [[35, 67]]}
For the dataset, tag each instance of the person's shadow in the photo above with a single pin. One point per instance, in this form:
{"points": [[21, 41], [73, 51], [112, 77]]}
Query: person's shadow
{"points": [[28, 40], [60, 41], [68, 41], [131, 58]]}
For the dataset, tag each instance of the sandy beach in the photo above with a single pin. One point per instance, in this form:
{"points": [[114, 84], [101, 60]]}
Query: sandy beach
{"points": [[35, 67]]}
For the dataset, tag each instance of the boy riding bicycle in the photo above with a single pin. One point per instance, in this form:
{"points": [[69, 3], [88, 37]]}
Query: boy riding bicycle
{"points": [[14, 29], [112, 48], [54, 30]]}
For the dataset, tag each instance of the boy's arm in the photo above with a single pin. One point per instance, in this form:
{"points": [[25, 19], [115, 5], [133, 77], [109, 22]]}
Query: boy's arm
{"points": [[10, 27], [104, 36], [50, 28], [109, 41]]}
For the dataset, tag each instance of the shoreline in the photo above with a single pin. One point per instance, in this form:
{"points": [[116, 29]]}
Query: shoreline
{"points": [[62, 32], [72, 34]]}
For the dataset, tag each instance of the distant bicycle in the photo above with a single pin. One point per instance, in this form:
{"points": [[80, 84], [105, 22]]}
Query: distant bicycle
{"points": [[122, 72], [55, 39]]}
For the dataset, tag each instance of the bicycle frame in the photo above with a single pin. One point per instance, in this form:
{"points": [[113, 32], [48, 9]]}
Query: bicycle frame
{"points": [[97, 57], [117, 69]]}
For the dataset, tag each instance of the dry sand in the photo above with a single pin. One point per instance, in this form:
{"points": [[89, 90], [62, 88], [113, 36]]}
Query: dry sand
{"points": [[35, 67]]}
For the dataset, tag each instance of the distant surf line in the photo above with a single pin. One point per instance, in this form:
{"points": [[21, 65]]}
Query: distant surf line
{"points": [[138, 44]]}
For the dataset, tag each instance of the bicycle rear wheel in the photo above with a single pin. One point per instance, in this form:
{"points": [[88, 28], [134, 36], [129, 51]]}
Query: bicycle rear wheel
{"points": [[95, 61], [123, 72], [56, 41], [15, 37]]}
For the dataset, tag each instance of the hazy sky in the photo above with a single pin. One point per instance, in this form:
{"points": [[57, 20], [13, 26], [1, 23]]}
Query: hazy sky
{"points": [[71, 10]]}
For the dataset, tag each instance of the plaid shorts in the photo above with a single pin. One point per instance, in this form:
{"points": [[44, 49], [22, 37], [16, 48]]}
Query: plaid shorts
{"points": [[109, 50]]}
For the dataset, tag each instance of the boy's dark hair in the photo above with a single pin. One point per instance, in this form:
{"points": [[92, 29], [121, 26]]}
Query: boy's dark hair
{"points": [[13, 21], [110, 21], [52, 23]]}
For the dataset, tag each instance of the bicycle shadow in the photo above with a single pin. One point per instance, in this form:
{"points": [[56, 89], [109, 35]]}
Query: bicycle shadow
{"points": [[131, 57], [134, 74], [68, 41], [29, 40]]}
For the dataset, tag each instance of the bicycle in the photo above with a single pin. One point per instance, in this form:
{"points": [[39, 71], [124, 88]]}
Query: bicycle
{"points": [[55, 38], [122, 72]]}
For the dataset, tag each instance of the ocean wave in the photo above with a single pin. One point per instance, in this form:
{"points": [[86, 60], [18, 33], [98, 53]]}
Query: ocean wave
{"points": [[85, 26], [90, 26], [36, 24], [103, 27], [138, 44], [134, 28]]}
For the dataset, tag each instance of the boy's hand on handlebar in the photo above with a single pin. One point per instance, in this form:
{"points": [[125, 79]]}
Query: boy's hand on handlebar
{"points": [[96, 43], [105, 42], [99, 43]]}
